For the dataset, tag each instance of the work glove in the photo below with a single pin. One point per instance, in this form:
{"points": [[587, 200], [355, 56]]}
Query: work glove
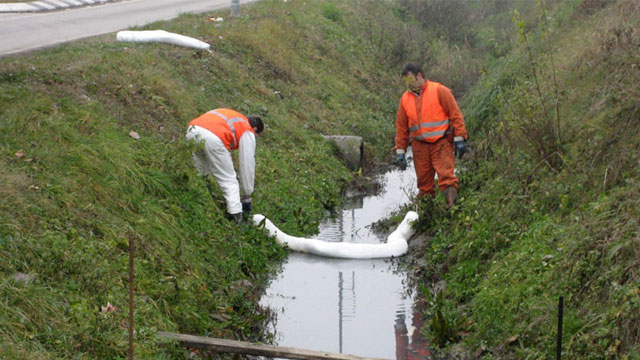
{"points": [[459, 146], [401, 161], [246, 208]]}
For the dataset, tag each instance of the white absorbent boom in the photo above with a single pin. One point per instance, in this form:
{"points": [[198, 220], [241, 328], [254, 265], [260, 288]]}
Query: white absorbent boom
{"points": [[161, 36], [396, 245]]}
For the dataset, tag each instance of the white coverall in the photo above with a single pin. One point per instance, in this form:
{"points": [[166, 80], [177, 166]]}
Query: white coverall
{"points": [[215, 159]]}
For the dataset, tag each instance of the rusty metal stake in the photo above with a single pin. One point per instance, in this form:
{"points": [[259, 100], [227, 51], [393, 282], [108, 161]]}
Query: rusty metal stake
{"points": [[559, 340], [131, 250]]}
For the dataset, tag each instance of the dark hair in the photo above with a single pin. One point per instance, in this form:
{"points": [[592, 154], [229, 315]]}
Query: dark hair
{"points": [[256, 122], [412, 68]]}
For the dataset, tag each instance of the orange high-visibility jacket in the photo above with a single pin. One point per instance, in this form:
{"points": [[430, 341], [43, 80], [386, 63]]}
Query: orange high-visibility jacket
{"points": [[227, 124], [433, 121]]}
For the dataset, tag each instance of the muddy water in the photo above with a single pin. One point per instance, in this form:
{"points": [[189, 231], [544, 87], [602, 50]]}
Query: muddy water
{"points": [[357, 307]]}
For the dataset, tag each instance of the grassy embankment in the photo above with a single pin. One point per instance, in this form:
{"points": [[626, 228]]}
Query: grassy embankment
{"points": [[550, 201], [548, 205], [75, 185]]}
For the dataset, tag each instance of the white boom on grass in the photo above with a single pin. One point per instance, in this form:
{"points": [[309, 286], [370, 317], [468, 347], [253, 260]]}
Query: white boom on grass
{"points": [[395, 246], [161, 36]]}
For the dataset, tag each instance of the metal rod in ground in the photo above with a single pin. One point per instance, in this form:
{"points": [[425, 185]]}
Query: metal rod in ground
{"points": [[131, 250], [235, 8], [559, 341]]}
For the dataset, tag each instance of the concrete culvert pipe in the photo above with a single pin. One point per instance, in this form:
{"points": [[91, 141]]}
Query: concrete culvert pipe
{"points": [[350, 147], [396, 245]]}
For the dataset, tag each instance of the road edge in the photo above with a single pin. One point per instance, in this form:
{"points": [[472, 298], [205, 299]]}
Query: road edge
{"points": [[48, 5]]}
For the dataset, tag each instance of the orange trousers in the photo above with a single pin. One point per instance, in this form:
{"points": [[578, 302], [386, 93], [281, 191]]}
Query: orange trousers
{"points": [[430, 159]]}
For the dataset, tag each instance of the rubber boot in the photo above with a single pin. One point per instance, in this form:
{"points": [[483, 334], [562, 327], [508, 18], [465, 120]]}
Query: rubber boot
{"points": [[237, 218], [450, 195]]}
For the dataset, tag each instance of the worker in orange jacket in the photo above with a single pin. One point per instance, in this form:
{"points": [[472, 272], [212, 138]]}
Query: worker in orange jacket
{"points": [[429, 117], [223, 130]]}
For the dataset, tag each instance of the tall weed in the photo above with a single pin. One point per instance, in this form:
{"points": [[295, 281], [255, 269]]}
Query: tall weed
{"points": [[549, 198]]}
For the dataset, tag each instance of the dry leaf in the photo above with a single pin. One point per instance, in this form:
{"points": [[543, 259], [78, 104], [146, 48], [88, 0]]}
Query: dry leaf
{"points": [[481, 350], [107, 309], [221, 317]]}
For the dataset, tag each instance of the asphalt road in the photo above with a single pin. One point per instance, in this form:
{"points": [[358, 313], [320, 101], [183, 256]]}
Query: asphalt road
{"points": [[28, 31]]}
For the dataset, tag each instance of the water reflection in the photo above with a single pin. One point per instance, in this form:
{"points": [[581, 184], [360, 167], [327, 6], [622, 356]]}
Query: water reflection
{"points": [[349, 314], [410, 345], [357, 307]]}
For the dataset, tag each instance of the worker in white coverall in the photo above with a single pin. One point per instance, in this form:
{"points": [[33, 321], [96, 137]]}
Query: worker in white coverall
{"points": [[222, 130]]}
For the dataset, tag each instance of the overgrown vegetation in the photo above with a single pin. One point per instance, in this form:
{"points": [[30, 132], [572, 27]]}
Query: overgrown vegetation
{"points": [[76, 183], [548, 203], [549, 200]]}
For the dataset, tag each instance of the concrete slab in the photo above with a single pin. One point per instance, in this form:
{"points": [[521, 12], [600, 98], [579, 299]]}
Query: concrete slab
{"points": [[44, 5], [18, 7], [74, 2], [47, 5], [350, 147], [57, 4]]}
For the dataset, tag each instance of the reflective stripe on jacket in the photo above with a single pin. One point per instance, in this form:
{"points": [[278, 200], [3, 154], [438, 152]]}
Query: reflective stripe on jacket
{"points": [[432, 122], [227, 124]]}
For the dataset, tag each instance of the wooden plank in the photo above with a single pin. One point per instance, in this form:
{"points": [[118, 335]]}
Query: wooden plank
{"points": [[247, 348]]}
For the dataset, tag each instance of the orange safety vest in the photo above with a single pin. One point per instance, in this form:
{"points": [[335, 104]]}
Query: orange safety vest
{"points": [[227, 124], [433, 122]]}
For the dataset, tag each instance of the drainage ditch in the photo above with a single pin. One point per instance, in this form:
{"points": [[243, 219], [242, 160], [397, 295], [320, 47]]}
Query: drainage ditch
{"points": [[356, 307]]}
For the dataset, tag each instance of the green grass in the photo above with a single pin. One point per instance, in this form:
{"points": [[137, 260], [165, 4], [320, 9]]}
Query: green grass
{"points": [[527, 231], [76, 186]]}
